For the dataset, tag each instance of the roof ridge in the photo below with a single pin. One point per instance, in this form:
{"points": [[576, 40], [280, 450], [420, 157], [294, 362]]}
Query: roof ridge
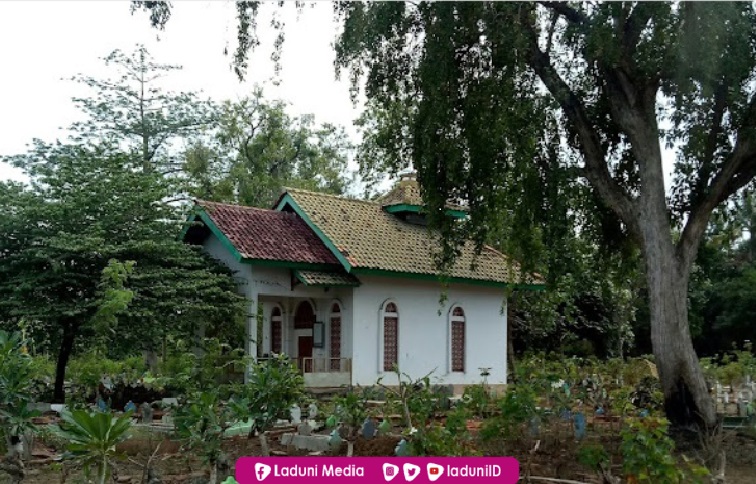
{"points": [[198, 201], [328, 195]]}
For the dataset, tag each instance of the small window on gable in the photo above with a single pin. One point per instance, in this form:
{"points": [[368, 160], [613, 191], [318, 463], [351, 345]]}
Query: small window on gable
{"points": [[390, 337], [457, 340], [276, 330]]}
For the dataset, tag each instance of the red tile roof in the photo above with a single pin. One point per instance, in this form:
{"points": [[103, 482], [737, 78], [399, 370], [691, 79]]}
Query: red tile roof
{"points": [[258, 233]]}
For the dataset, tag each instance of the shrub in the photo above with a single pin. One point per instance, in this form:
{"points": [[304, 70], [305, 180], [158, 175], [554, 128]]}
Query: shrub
{"points": [[16, 372], [647, 453], [272, 388]]}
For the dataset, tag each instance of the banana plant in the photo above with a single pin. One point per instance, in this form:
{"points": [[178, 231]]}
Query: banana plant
{"points": [[92, 439]]}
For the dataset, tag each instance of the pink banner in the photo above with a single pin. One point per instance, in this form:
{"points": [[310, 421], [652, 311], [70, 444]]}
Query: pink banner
{"points": [[348, 470]]}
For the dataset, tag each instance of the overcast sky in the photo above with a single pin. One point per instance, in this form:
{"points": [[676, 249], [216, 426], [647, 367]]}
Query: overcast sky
{"points": [[45, 41]]}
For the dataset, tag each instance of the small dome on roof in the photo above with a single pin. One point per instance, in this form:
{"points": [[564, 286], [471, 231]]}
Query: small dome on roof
{"points": [[405, 197]]}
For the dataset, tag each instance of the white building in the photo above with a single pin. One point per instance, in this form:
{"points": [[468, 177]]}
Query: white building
{"points": [[349, 288]]}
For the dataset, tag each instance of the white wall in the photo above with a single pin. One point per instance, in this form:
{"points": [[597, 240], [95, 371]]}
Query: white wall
{"points": [[424, 334], [270, 286], [243, 277]]}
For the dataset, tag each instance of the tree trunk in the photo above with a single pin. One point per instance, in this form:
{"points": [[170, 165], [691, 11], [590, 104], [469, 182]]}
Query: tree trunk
{"points": [[66, 347], [686, 396]]}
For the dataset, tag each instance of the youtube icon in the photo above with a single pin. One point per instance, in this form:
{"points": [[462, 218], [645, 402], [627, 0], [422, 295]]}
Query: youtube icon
{"points": [[434, 471]]}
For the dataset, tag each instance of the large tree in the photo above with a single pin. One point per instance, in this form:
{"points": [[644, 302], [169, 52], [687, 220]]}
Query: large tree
{"points": [[133, 107], [87, 208], [489, 84], [480, 95], [258, 148]]}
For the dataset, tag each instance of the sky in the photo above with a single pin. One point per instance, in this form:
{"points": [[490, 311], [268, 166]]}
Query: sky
{"points": [[45, 42]]}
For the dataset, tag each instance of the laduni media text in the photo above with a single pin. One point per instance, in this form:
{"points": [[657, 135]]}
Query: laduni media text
{"points": [[317, 470], [393, 470]]}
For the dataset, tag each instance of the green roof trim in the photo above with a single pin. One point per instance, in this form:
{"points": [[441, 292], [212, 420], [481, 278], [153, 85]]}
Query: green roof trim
{"points": [[326, 279], [205, 218], [405, 207], [437, 278], [288, 200]]}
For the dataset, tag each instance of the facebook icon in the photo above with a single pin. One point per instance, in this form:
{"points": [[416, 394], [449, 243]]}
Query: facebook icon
{"points": [[261, 471]]}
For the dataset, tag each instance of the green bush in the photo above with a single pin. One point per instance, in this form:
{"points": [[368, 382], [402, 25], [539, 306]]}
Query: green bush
{"points": [[16, 373], [593, 456], [647, 453], [272, 388], [517, 406]]}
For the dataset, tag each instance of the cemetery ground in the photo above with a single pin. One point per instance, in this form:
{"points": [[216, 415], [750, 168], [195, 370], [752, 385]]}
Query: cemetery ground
{"points": [[569, 419]]}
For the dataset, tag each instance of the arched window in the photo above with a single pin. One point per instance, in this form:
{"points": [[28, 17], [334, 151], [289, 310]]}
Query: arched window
{"points": [[335, 337], [276, 330], [457, 339], [390, 337]]}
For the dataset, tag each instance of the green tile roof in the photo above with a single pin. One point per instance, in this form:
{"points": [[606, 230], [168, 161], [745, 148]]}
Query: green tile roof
{"points": [[369, 239]]}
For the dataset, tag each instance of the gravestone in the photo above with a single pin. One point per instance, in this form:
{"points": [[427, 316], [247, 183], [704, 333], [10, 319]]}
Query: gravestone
{"points": [[146, 413], [579, 422], [401, 449], [296, 414], [368, 428], [384, 427], [534, 426], [335, 440], [312, 411], [304, 429], [130, 407], [742, 409]]}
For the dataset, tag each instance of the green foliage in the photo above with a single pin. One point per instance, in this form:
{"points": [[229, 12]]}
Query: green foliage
{"points": [[478, 399], [87, 370], [16, 374], [131, 107], [647, 453], [272, 388], [593, 456], [114, 299], [68, 235], [441, 440], [351, 409], [202, 421], [92, 439], [259, 148], [522, 111], [515, 408], [413, 398]]}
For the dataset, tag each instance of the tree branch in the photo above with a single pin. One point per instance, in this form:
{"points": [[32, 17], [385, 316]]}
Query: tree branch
{"points": [[564, 9], [738, 170], [596, 169], [634, 26]]}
